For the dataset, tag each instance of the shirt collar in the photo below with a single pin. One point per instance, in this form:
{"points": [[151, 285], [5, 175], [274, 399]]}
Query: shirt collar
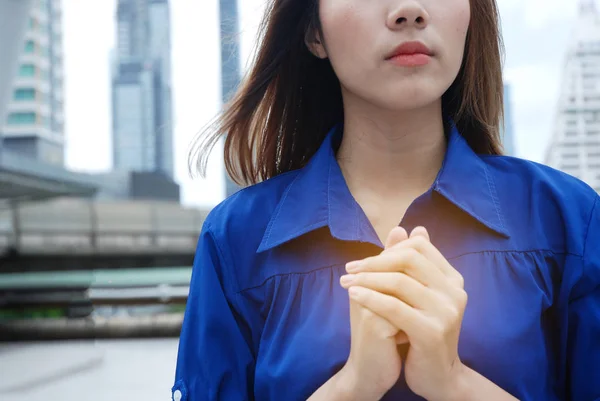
{"points": [[319, 197]]}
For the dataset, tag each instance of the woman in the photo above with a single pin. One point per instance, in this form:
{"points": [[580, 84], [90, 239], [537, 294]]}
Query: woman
{"points": [[383, 202]]}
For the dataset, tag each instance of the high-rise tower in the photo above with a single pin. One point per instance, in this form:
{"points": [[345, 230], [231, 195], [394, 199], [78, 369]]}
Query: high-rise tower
{"points": [[230, 61], [575, 148], [33, 123], [141, 88]]}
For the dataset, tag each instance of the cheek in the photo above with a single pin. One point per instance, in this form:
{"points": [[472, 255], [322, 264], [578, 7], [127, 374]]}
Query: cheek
{"points": [[455, 29], [463, 20], [344, 27]]}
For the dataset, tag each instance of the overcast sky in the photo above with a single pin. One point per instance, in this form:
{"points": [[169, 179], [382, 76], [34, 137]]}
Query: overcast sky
{"points": [[536, 34]]}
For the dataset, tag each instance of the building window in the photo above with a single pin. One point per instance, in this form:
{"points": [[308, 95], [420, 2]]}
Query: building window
{"points": [[27, 70], [21, 118], [29, 46], [590, 76], [46, 122], [569, 167], [24, 94], [44, 98], [571, 133]]}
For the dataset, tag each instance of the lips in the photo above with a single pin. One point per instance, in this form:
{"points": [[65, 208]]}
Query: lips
{"points": [[410, 49]]}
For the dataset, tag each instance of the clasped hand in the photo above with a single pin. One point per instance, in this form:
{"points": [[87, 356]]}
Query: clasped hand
{"points": [[412, 286]]}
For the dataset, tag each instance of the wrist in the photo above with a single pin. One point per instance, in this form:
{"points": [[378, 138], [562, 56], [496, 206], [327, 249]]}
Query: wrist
{"points": [[457, 388], [346, 384], [349, 387]]}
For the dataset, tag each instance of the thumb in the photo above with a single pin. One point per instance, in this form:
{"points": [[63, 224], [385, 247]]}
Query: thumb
{"points": [[420, 231], [397, 235]]}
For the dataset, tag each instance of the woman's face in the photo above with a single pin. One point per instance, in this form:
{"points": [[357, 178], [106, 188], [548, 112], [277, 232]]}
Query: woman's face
{"points": [[361, 38]]}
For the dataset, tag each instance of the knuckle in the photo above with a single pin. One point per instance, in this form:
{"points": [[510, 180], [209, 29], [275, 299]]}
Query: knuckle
{"points": [[422, 292], [452, 314], [420, 242], [409, 258], [460, 281], [462, 298], [437, 332]]}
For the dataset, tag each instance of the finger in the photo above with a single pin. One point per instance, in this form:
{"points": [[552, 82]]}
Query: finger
{"points": [[391, 309], [429, 251], [420, 232], [398, 234], [377, 324], [404, 260], [398, 285]]}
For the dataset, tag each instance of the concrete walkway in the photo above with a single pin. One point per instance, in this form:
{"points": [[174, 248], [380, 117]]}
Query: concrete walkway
{"points": [[115, 370]]}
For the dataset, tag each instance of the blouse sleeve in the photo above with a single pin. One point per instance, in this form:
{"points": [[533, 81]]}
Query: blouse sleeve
{"points": [[583, 348], [214, 361]]}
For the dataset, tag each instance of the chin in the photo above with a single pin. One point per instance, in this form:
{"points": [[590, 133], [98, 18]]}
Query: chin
{"points": [[407, 94], [408, 100]]}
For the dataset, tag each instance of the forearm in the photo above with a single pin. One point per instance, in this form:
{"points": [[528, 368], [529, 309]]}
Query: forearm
{"points": [[472, 386], [335, 389], [343, 386]]}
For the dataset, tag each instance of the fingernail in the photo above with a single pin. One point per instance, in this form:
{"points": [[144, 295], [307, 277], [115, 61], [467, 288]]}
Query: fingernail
{"points": [[346, 280], [352, 266], [354, 293]]}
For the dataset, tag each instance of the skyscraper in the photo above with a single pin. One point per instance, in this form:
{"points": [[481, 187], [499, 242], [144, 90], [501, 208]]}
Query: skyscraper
{"points": [[230, 62], [508, 128], [575, 148], [34, 120], [141, 88]]}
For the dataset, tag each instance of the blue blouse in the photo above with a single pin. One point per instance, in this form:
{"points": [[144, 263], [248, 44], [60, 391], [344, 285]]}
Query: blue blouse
{"points": [[267, 320]]}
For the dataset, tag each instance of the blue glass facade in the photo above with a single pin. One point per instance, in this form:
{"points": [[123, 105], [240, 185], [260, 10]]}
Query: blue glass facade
{"points": [[230, 62]]}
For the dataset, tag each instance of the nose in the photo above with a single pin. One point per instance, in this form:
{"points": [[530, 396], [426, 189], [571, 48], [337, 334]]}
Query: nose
{"points": [[407, 14]]}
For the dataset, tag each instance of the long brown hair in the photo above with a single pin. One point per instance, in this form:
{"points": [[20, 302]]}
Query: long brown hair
{"points": [[289, 100]]}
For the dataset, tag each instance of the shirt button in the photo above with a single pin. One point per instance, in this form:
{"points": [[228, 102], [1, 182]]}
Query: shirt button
{"points": [[177, 395]]}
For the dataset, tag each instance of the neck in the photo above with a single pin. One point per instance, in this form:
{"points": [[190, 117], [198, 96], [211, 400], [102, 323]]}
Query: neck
{"points": [[392, 154]]}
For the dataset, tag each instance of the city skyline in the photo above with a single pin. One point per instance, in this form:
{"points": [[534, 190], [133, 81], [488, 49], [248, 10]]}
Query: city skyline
{"points": [[532, 36]]}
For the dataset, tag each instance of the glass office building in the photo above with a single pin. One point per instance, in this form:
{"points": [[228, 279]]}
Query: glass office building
{"points": [[141, 88]]}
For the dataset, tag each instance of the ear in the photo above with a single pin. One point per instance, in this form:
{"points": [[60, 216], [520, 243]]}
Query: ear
{"points": [[313, 41]]}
